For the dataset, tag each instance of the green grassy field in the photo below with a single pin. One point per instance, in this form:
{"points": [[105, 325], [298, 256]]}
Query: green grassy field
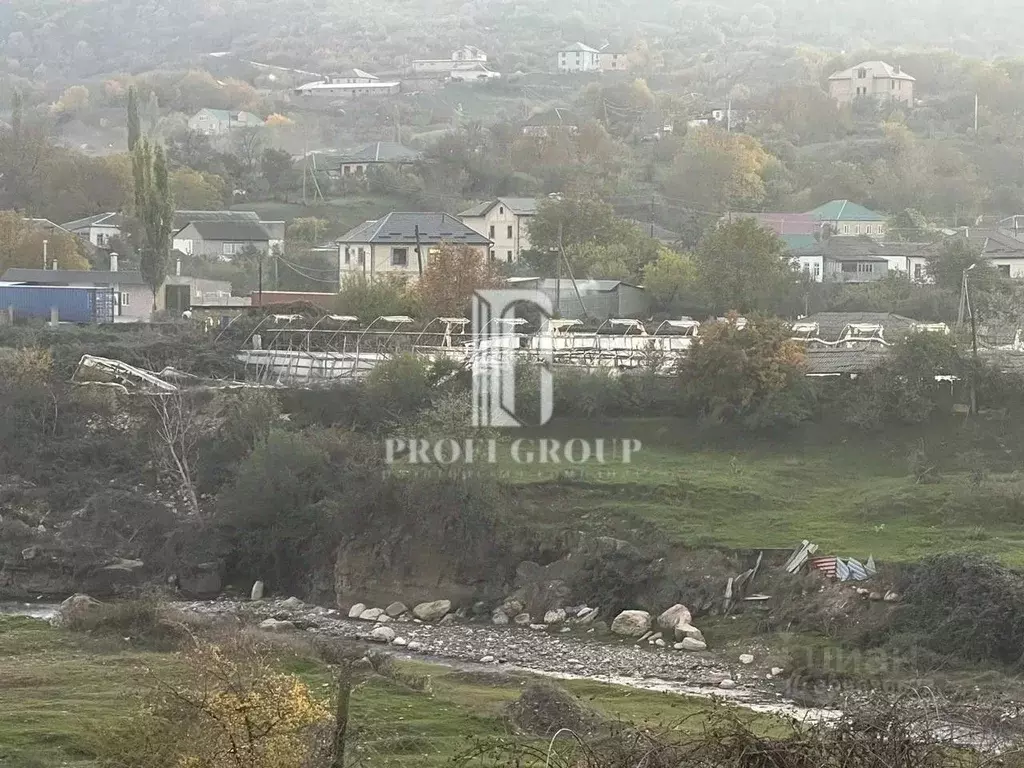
{"points": [[853, 494], [61, 692]]}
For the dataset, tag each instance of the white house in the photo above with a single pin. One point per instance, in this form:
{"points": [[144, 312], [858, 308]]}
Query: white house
{"points": [[345, 86], [467, 58], [579, 58], [221, 234], [469, 53], [220, 122], [99, 229], [402, 243], [874, 79], [475, 73], [505, 222]]}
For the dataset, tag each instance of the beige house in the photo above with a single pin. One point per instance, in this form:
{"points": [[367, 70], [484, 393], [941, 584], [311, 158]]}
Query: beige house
{"points": [[402, 243], [875, 79], [505, 222], [613, 61]]}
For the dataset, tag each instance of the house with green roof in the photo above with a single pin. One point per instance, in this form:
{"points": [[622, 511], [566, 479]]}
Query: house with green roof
{"points": [[848, 218]]}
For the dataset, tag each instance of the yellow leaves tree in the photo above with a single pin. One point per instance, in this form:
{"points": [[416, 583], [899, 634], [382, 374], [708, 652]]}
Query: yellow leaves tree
{"points": [[719, 171], [233, 710], [197, 191], [451, 274], [21, 245], [74, 100], [278, 120]]}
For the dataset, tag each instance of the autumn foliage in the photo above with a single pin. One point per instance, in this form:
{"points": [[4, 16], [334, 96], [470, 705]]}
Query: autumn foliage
{"points": [[451, 274]]}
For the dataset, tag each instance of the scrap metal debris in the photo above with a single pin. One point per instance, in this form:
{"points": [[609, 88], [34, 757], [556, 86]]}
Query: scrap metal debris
{"points": [[107, 372]]}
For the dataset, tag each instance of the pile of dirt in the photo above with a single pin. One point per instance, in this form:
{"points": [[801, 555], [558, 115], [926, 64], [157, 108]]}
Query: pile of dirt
{"points": [[544, 709]]}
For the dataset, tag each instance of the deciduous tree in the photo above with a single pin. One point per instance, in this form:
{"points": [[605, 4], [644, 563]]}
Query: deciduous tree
{"points": [[154, 210], [449, 278]]}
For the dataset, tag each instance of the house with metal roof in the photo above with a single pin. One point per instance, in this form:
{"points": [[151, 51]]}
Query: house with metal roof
{"points": [[505, 222], [130, 297], [99, 230], [579, 58], [872, 79], [551, 122], [402, 243], [596, 299], [847, 218], [379, 154], [221, 234], [842, 260]]}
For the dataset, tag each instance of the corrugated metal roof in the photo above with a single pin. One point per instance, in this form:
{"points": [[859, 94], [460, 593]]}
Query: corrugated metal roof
{"points": [[71, 277], [231, 230], [844, 210], [401, 227], [521, 206], [839, 360]]}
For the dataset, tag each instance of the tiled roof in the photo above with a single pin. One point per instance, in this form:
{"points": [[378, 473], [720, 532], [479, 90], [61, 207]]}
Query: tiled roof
{"points": [[875, 68], [99, 220], [71, 277], [844, 360], [240, 231], [844, 210], [399, 227], [183, 218], [521, 206]]}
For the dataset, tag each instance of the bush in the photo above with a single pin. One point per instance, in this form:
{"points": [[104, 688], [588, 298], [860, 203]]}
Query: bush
{"points": [[146, 621], [963, 605]]}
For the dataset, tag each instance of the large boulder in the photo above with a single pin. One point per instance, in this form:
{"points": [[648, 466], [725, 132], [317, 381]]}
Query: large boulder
{"points": [[257, 591], [75, 609], [382, 634], [556, 616], [690, 644], [371, 614], [202, 580], [632, 623], [356, 611], [274, 625], [433, 611], [396, 609], [676, 616]]}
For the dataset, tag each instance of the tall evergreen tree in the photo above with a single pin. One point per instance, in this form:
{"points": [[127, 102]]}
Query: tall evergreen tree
{"points": [[154, 210], [17, 113], [134, 130]]}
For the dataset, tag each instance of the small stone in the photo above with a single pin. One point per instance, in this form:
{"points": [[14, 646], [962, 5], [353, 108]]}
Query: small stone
{"points": [[863, 592], [537, 627], [583, 611], [499, 618], [587, 616], [875, 596], [689, 644], [415, 646], [382, 634], [384, 619], [522, 618], [746, 658], [776, 671], [487, 659], [727, 684], [401, 642], [370, 614], [556, 616], [448, 618], [891, 597], [659, 642], [396, 609], [257, 591], [29, 553], [273, 625], [292, 604], [645, 636], [356, 611]]}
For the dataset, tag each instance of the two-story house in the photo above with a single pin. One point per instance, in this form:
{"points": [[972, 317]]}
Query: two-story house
{"points": [[579, 58], [842, 260], [466, 58], [402, 243], [843, 217], [99, 230], [221, 122], [505, 222], [612, 61], [874, 79]]}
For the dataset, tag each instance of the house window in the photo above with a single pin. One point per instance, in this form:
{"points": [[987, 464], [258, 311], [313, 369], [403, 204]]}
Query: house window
{"points": [[892, 85], [1004, 270], [509, 231], [399, 257], [817, 270], [862, 73], [100, 237], [230, 249], [508, 256], [125, 299], [848, 267], [918, 271], [348, 255], [492, 232], [362, 256], [492, 254], [846, 229], [865, 267], [501, 211]]}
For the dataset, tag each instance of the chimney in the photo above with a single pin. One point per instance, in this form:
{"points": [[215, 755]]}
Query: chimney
{"points": [[113, 262], [177, 268]]}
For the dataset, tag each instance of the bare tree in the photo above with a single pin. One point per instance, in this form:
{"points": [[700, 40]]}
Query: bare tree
{"points": [[248, 148], [177, 434]]}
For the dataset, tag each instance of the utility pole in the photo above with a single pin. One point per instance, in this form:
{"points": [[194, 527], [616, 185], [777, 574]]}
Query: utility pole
{"points": [[975, 114], [305, 165], [259, 272], [558, 273], [44, 253], [728, 118], [419, 253], [650, 215]]}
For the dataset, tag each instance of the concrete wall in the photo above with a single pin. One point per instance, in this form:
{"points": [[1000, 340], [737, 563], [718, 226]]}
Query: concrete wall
{"points": [[507, 247], [379, 259], [882, 88], [578, 61]]}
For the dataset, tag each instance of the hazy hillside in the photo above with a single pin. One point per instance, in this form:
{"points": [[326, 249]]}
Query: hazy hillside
{"points": [[50, 39]]}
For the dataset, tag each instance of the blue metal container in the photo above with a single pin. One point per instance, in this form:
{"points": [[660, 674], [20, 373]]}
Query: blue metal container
{"points": [[73, 304]]}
